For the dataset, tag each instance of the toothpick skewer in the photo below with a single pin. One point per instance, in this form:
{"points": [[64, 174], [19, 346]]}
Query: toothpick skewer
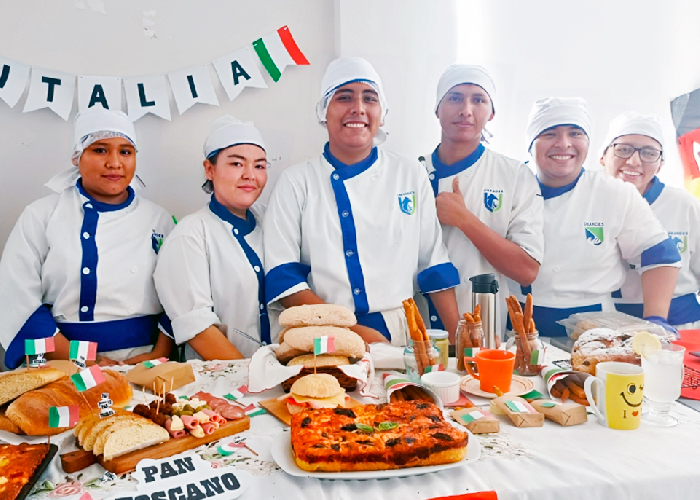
{"points": [[250, 450]]}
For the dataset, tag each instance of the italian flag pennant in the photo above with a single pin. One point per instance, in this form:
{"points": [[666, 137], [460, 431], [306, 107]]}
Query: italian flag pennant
{"points": [[252, 410], [89, 378], [83, 350], [64, 416], [537, 357], [324, 344], [277, 51], [473, 415], [470, 352], [32, 347], [155, 362], [434, 368], [229, 448], [237, 394]]}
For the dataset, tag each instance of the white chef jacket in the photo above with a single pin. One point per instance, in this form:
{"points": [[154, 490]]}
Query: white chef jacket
{"points": [[204, 276], [594, 228], [679, 213], [503, 194], [364, 236], [91, 264]]}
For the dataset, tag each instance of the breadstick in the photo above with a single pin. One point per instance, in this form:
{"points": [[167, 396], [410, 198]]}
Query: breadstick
{"points": [[574, 389], [581, 401], [528, 313], [565, 394], [477, 311], [417, 334], [468, 318]]}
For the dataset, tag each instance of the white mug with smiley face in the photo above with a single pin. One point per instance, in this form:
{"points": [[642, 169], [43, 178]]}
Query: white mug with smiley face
{"points": [[618, 404]]}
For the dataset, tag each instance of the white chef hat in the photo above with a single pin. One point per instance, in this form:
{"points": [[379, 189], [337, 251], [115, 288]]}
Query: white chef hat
{"points": [[346, 70], [554, 111], [227, 131], [633, 123], [458, 74], [92, 124]]}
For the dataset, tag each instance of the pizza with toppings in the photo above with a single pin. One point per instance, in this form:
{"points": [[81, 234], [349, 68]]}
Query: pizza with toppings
{"points": [[17, 466], [375, 437]]}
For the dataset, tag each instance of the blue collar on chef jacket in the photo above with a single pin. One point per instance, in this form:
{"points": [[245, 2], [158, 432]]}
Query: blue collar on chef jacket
{"points": [[654, 190], [553, 192], [442, 170], [244, 226], [349, 171], [105, 207]]}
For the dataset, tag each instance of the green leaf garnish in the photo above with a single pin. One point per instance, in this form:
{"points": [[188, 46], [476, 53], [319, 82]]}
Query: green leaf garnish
{"points": [[387, 426], [364, 428]]}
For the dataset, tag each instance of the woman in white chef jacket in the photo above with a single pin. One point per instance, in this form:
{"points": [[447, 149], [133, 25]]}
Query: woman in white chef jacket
{"points": [[210, 274], [489, 205], [594, 226], [633, 152], [357, 225], [78, 265]]}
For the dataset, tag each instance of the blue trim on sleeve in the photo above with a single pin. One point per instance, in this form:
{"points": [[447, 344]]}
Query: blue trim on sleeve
{"points": [[684, 309], [341, 173], [617, 294], [636, 310], [546, 318], [283, 277], [525, 289], [240, 229], [115, 334], [654, 191], [438, 277], [443, 170], [553, 192], [38, 326], [374, 320], [665, 252]]}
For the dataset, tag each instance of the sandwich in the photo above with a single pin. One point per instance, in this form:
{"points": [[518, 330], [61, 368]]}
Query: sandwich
{"points": [[318, 390]]}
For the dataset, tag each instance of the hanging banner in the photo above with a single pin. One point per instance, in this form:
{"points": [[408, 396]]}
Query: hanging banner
{"points": [[237, 71], [13, 80], [147, 94], [192, 85], [51, 89], [101, 91], [277, 51]]}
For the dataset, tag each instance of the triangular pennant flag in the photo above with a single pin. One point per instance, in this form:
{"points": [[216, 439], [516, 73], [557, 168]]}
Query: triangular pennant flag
{"points": [[324, 344], [89, 378], [147, 94], [237, 71], [190, 86], [277, 51], [99, 91], [83, 350], [64, 416], [13, 80], [32, 347], [51, 89]]}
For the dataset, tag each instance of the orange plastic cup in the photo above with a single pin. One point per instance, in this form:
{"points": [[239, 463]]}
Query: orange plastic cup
{"points": [[495, 369]]}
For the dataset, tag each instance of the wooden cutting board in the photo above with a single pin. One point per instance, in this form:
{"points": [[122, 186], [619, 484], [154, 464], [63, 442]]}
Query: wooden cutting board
{"points": [[279, 408], [127, 463]]}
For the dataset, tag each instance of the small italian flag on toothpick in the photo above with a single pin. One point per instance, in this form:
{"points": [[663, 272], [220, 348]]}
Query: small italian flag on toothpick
{"points": [[64, 416], [434, 368], [32, 347], [324, 344], [89, 378], [155, 362], [277, 51], [83, 350]]}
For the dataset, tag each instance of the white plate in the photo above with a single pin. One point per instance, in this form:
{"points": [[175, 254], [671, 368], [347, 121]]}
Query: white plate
{"points": [[282, 453]]}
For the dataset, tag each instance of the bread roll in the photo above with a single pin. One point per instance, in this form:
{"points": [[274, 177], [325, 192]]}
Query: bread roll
{"points": [[30, 412], [317, 315], [347, 343], [7, 425], [15, 383], [285, 352], [309, 360], [135, 436]]}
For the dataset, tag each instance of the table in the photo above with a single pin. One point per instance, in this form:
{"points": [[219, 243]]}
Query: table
{"points": [[552, 462]]}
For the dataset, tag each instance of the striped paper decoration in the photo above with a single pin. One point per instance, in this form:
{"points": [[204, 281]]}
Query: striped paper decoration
{"points": [[277, 51]]}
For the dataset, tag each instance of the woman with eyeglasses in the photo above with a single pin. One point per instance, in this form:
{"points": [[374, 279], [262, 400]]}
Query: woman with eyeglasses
{"points": [[633, 152], [210, 275]]}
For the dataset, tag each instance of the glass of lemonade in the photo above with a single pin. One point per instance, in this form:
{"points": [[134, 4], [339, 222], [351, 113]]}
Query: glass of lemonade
{"points": [[663, 376]]}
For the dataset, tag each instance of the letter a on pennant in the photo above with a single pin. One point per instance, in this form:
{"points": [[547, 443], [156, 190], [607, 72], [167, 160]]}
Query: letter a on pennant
{"points": [[237, 71], [99, 91]]}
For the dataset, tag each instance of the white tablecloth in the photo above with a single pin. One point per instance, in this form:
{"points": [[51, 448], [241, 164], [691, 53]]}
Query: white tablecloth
{"points": [[552, 462]]}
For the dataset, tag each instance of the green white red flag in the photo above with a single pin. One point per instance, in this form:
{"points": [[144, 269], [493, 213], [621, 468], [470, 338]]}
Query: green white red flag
{"points": [[324, 344], [32, 347], [89, 378], [64, 416], [83, 350], [277, 51]]}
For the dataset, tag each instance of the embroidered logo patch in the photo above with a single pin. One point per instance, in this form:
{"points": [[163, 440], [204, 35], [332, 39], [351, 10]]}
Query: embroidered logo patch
{"points": [[681, 240], [407, 202], [156, 241], [594, 233], [493, 199]]}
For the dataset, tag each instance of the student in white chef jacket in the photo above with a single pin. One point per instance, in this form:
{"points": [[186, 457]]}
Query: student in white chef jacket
{"points": [[633, 152], [210, 274], [489, 205], [594, 226], [78, 265], [357, 225]]}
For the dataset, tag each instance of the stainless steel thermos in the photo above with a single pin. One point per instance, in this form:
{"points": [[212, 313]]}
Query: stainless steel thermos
{"points": [[484, 289]]}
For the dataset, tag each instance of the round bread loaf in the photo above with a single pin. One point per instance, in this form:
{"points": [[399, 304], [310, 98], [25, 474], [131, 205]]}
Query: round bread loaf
{"points": [[285, 352], [317, 315], [317, 385], [601, 344], [309, 360], [347, 343]]}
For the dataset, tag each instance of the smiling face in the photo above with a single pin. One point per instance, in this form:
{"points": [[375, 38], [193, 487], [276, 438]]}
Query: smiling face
{"points": [[106, 168], [633, 169], [353, 118], [463, 114], [239, 175], [559, 153]]}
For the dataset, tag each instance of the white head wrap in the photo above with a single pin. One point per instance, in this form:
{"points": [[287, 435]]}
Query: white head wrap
{"points": [[633, 123], [227, 131], [347, 70], [555, 111], [92, 125], [458, 74]]}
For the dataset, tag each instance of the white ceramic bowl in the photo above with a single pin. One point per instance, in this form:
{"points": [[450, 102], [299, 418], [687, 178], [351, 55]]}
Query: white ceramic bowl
{"points": [[444, 384]]}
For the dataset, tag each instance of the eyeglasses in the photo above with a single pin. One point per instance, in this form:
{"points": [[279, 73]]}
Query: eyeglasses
{"points": [[646, 154]]}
